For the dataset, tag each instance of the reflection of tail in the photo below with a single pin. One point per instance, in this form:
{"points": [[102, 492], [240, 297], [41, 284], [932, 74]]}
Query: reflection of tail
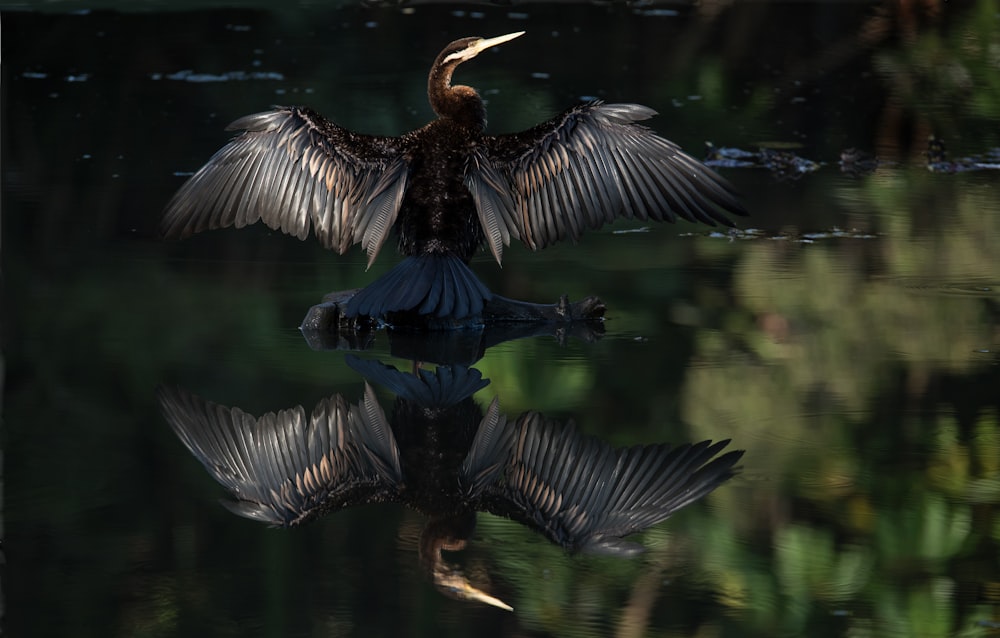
{"points": [[439, 285], [441, 388]]}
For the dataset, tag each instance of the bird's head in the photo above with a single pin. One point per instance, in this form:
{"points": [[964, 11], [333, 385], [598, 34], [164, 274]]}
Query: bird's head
{"points": [[454, 584], [467, 48], [460, 102]]}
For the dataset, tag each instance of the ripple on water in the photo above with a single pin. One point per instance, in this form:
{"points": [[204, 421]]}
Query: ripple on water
{"points": [[930, 286]]}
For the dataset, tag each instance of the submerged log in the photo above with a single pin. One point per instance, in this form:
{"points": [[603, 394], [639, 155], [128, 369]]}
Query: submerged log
{"points": [[328, 315], [430, 338]]}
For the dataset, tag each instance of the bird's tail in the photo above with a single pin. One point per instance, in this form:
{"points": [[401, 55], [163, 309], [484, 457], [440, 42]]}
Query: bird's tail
{"points": [[441, 285]]}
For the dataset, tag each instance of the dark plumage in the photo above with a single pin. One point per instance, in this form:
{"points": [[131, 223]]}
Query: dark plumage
{"points": [[440, 453], [447, 188]]}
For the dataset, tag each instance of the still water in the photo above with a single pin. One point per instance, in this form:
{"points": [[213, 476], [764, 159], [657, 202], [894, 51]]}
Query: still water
{"points": [[845, 337]]}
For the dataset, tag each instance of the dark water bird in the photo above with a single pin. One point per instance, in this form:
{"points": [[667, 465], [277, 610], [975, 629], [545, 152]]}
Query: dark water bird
{"points": [[441, 454], [447, 188]]}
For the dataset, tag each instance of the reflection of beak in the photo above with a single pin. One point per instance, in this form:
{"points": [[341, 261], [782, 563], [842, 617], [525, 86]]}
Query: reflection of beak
{"points": [[451, 533], [458, 586], [483, 597], [479, 46]]}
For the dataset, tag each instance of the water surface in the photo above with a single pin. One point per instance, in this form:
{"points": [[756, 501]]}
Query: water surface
{"points": [[846, 338]]}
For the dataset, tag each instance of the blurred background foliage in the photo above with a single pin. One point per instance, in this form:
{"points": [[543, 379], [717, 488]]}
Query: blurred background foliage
{"points": [[859, 373]]}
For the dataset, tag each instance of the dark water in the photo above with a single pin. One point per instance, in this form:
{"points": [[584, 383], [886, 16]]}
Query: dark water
{"points": [[848, 344]]}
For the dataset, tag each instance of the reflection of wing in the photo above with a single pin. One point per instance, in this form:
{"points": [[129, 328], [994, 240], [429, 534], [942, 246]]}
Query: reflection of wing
{"points": [[586, 168], [487, 458], [585, 495], [284, 468], [295, 170]]}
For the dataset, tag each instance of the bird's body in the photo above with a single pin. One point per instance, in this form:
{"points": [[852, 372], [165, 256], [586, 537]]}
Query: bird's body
{"points": [[448, 189], [438, 214]]}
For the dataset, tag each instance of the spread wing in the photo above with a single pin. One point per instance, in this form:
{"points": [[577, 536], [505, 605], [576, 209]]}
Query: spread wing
{"points": [[295, 171], [286, 468], [585, 168], [585, 495]]}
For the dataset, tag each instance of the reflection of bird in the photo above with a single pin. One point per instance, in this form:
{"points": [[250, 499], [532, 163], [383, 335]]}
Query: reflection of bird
{"points": [[451, 533], [447, 188], [443, 456]]}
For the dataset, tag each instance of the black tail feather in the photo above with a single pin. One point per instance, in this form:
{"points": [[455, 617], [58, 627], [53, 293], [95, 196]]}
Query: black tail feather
{"points": [[439, 285]]}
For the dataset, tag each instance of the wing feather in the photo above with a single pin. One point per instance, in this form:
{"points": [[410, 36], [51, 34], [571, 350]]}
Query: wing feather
{"points": [[585, 168], [284, 468], [297, 172], [586, 496]]}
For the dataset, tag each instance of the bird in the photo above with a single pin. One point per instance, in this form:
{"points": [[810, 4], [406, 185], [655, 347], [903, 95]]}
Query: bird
{"points": [[440, 453], [447, 189]]}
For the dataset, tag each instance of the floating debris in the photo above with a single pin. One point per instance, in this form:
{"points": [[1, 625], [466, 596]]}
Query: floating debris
{"points": [[726, 157], [657, 13], [626, 231], [938, 162], [733, 234], [858, 163], [837, 233], [188, 75], [783, 164]]}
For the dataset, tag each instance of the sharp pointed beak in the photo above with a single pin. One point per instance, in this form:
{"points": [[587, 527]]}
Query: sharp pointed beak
{"points": [[486, 43], [479, 46], [456, 585], [482, 597]]}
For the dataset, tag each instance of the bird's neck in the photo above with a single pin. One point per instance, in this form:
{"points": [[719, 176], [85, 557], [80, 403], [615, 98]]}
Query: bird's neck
{"points": [[459, 103]]}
